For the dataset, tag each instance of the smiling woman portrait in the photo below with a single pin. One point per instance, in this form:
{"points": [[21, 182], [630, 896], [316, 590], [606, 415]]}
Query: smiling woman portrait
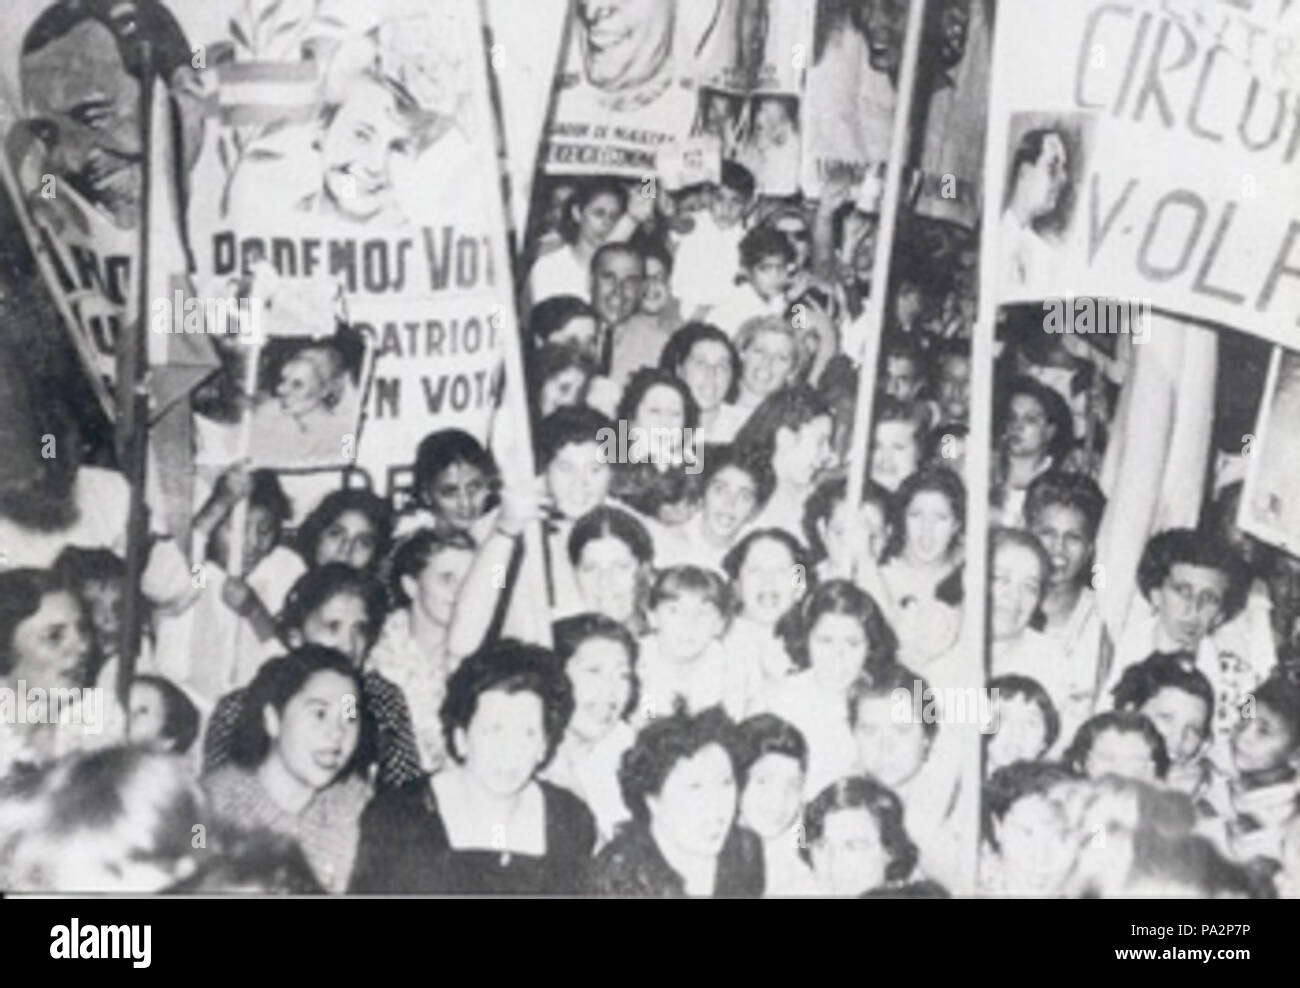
{"points": [[297, 752]]}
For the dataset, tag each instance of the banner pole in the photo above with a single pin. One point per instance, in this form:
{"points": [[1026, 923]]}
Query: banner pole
{"points": [[133, 399], [889, 210], [514, 393]]}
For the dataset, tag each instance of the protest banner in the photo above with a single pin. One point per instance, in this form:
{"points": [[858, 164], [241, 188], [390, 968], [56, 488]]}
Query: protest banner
{"points": [[346, 154], [629, 84], [1148, 150]]}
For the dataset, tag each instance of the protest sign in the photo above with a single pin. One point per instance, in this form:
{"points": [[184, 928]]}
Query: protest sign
{"points": [[1148, 150], [629, 84], [349, 147]]}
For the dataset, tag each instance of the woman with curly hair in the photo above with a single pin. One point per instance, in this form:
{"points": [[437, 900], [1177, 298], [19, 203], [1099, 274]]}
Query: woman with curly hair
{"points": [[679, 783], [855, 840], [486, 824]]}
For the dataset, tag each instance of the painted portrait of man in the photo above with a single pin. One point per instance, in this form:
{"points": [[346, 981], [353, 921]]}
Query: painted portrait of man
{"points": [[80, 74]]}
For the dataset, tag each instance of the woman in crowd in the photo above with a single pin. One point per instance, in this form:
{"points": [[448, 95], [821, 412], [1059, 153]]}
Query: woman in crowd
{"points": [[1025, 723], [703, 357], [297, 753], [1179, 702], [899, 438], [656, 404], [612, 558], [586, 223], [837, 634], [1017, 582], [572, 455], [773, 762], [792, 430], [769, 575], [1063, 511], [920, 581], [1118, 742], [661, 419], [770, 359], [855, 839], [599, 659], [839, 539], [456, 482], [1029, 849], [558, 377], [349, 526], [734, 484], [339, 608], [486, 824], [45, 643], [427, 572], [568, 322], [1035, 431], [679, 783]]}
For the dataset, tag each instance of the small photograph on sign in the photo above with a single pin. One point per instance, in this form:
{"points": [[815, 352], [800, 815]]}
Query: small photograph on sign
{"points": [[307, 409], [1047, 157]]}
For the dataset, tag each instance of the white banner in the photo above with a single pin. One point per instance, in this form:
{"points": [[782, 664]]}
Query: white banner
{"points": [[1150, 149]]}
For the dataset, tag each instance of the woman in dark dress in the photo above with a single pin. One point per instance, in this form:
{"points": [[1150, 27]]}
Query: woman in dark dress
{"points": [[679, 782], [486, 825]]}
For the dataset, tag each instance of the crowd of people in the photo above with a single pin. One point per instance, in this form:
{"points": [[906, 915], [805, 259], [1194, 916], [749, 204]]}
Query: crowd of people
{"points": [[356, 707]]}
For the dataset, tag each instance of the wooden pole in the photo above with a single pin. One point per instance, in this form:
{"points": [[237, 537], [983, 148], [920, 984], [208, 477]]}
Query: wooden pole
{"points": [[532, 575], [133, 398], [875, 315]]}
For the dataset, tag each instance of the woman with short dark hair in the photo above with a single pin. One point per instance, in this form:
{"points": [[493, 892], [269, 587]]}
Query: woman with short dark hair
{"points": [[855, 839], [679, 783], [486, 824]]}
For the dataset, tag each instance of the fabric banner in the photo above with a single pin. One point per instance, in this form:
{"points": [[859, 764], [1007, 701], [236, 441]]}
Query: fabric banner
{"points": [[1270, 509], [1148, 150], [349, 165]]}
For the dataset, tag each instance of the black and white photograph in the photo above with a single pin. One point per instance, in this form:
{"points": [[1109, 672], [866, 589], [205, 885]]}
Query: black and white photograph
{"points": [[735, 449]]}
